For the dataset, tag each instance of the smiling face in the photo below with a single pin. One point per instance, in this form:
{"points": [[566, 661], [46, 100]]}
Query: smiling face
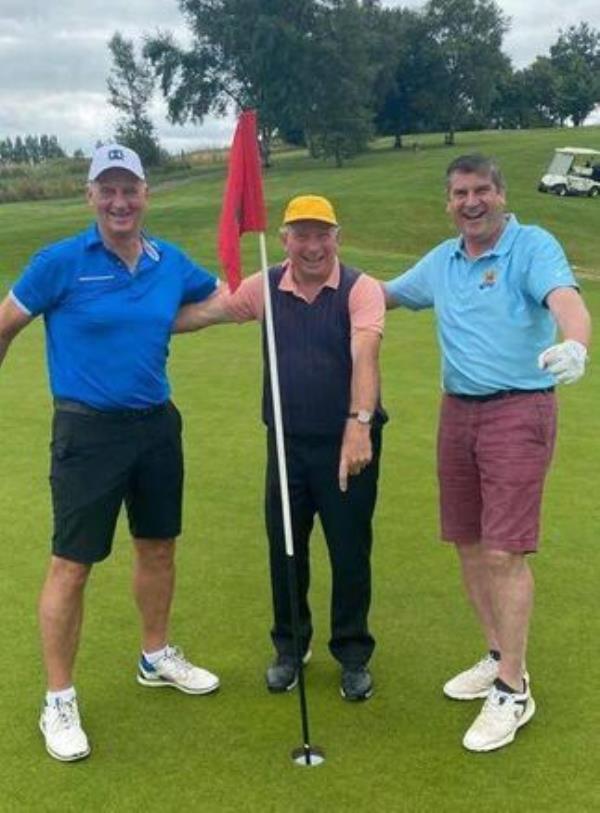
{"points": [[311, 246], [476, 204], [119, 199]]}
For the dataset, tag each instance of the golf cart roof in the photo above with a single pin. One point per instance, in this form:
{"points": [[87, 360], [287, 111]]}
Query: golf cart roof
{"points": [[577, 151]]}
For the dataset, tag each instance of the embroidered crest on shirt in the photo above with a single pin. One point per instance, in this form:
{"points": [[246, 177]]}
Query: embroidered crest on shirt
{"points": [[488, 279]]}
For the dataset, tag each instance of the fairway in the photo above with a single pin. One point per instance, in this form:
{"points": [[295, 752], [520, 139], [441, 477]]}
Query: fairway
{"points": [[401, 751]]}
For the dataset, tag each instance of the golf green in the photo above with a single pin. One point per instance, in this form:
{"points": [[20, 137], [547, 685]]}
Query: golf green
{"points": [[401, 751]]}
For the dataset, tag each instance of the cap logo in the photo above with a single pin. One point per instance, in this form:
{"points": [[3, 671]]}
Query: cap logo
{"points": [[116, 155]]}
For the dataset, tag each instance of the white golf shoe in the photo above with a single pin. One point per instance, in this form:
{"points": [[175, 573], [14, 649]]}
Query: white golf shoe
{"points": [[61, 726], [502, 715], [174, 670], [474, 682]]}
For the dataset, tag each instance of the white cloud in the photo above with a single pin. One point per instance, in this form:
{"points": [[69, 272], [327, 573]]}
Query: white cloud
{"points": [[534, 25], [57, 58]]}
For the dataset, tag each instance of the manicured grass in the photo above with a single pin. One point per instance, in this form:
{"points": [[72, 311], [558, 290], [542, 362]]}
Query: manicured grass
{"points": [[230, 752]]}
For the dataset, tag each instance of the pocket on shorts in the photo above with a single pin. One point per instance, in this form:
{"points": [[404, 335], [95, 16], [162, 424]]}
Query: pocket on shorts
{"points": [[60, 451], [65, 456], [545, 409], [176, 416], [73, 438]]}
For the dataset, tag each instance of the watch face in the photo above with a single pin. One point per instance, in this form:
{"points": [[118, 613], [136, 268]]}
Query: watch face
{"points": [[364, 416]]}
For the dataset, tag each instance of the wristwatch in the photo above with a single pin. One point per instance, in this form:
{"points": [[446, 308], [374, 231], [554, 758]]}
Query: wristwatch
{"points": [[362, 416]]}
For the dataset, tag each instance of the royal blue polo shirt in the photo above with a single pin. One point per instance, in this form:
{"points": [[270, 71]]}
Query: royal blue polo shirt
{"points": [[108, 328], [492, 322]]}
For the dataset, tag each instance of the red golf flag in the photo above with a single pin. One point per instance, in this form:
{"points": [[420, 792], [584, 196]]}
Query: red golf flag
{"points": [[243, 203]]}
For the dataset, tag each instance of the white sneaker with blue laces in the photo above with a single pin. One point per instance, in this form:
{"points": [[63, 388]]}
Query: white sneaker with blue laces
{"points": [[61, 726], [502, 715], [175, 671]]}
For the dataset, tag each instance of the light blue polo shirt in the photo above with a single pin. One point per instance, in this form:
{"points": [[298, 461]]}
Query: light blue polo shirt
{"points": [[108, 329], [491, 320]]}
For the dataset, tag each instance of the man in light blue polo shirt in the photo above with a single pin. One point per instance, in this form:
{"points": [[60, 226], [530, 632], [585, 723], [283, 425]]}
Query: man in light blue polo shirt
{"points": [[109, 297], [499, 291]]}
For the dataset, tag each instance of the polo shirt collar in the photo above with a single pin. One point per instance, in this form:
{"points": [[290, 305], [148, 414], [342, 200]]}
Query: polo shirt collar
{"points": [[93, 238], [502, 246], [289, 284]]}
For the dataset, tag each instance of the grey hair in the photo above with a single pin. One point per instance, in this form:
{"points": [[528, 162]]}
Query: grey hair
{"points": [[287, 227], [479, 165]]}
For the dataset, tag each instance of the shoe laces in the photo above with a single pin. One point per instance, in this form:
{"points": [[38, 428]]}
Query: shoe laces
{"points": [[485, 664], [67, 714], [175, 661], [499, 702]]}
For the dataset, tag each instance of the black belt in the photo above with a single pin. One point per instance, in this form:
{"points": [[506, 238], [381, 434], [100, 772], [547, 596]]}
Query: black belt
{"points": [[63, 405], [494, 396]]}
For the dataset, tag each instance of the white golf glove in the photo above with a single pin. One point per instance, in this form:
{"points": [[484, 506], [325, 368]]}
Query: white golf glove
{"points": [[566, 361]]}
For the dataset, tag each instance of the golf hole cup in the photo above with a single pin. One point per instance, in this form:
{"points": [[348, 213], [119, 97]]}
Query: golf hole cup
{"points": [[308, 757]]}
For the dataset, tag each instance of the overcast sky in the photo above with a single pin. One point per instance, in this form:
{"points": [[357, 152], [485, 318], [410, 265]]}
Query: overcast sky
{"points": [[54, 61]]}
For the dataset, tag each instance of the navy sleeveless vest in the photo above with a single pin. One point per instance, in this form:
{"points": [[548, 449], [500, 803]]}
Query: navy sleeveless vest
{"points": [[314, 359]]}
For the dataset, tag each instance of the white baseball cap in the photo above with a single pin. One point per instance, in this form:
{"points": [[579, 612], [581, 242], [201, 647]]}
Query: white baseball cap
{"points": [[115, 156]]}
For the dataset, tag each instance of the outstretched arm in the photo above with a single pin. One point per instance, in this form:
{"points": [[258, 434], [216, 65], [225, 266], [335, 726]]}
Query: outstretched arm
{"points": [[356, 452], [242, 306], [566, 361], [571, 314], [390, 301], [197, 315], [12, 321]]}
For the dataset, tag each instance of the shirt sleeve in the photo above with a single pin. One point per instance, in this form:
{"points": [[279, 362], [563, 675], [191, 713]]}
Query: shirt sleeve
{"points": [[198, 283], [366, 305], [247, 302], [413, 289], [548, 267], [42, 284]]}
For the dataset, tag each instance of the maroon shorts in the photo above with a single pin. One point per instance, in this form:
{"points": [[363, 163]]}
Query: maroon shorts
{"points": [[492, 460]]}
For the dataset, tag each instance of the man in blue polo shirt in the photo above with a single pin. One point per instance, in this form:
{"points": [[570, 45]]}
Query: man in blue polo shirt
{"points": [[109, 297], [498, 291]]}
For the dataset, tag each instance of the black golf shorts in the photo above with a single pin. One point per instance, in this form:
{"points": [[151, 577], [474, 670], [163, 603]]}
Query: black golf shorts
{"points": [[100, 460]]}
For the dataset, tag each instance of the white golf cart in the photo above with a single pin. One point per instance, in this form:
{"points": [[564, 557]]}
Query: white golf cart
{"points": [[573, 171]]}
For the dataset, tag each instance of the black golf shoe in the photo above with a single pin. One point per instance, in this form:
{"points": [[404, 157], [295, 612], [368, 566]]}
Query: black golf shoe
{"points": [[357, 683], [282, 674]]}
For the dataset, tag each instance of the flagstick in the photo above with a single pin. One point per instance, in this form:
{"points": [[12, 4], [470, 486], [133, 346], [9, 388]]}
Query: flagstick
{"points": [[309, 756]]}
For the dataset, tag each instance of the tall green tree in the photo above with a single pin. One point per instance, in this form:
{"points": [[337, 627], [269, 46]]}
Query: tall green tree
{"points": [[575, 57], [523, 97], [130, 87], [338, 112], [541, 92], [50, 148], [407, 80], [249, 53], [20, 151], [468, 35]]}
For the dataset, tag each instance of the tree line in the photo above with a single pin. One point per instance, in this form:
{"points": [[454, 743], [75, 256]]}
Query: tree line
{"points": [[29, 149], [330, 74]]}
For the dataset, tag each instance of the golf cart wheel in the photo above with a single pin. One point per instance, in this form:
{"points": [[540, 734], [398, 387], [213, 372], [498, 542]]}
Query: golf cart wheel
{"points": [[560, 190], [594, 192]]}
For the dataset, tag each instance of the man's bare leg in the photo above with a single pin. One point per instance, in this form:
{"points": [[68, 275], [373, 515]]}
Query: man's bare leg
{"points": [[512, 592], [60, 616], [153, 587], [478, 587]]}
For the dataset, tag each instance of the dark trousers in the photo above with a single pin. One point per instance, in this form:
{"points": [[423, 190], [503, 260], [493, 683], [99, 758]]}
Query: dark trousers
{"points": [[312, 467]]}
